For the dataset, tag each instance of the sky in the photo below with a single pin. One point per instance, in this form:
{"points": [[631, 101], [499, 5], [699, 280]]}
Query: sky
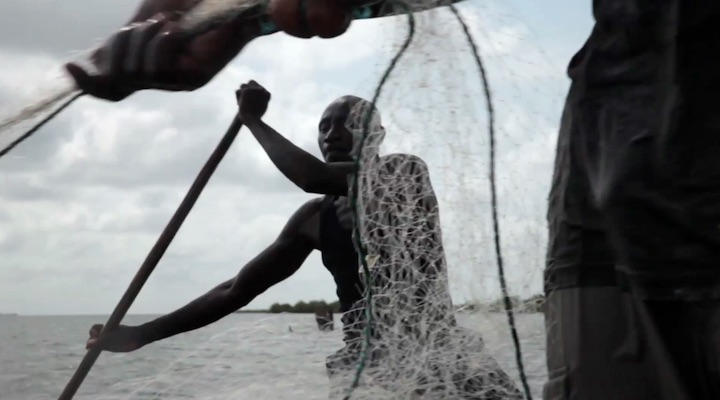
{"points": [[83, 201]]}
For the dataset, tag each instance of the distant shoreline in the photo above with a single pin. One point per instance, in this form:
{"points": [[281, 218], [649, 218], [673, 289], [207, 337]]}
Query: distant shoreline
{"points": [[105, 316], [252, 312], [531, 305]]}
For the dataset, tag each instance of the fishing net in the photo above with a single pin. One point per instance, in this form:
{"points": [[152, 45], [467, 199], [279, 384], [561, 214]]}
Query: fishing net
{"points": [[436, 122], [435, 323]]}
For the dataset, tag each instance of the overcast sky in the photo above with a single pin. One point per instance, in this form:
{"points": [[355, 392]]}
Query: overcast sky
{"points": [[83, 201]]}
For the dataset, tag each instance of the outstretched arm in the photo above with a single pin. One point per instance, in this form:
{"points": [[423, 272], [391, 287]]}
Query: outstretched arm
{"points": [[275, 264], [279, 261], [150, 52]]}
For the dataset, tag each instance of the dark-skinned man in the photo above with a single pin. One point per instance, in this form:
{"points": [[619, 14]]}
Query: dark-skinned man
{"points": [[325, 224]]}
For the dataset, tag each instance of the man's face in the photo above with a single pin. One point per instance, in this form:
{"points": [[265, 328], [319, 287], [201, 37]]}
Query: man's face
{"points": [[334, 138]]}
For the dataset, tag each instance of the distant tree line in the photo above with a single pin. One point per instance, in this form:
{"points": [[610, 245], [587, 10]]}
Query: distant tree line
{"points": [[533, 304], [302, 307]]}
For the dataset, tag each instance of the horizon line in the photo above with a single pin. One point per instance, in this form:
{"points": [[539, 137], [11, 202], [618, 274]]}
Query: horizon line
{"points": [[17, 314]]}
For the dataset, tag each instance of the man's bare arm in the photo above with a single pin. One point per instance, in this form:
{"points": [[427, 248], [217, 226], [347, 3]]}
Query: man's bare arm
{"points": [[302, 168], [150, 52], [275, 264]]}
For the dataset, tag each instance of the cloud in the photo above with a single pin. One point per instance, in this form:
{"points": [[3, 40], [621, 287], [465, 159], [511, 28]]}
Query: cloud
{"points": [[59, 29], [83, 201]]}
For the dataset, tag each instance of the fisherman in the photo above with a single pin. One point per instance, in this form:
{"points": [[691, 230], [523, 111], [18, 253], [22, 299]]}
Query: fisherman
{"points": [[150, 52], [325, 224], [633, 269]]}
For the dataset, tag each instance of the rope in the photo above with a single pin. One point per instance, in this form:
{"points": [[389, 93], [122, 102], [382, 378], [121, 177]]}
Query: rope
{"points": [[362, 252], [493, 202], [39, 125]]}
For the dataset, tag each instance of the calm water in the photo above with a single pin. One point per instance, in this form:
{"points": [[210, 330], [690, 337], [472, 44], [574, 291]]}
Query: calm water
{"points": [[244, 356]]}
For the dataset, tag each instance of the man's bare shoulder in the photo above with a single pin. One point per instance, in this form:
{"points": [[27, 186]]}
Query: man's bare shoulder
{"points": [[305, 212], [312, 205], [304, 223]]}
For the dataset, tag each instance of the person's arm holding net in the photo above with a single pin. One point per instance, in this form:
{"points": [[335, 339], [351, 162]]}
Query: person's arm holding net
{"points": [[157, 50], [276, 263], [152, 52]]}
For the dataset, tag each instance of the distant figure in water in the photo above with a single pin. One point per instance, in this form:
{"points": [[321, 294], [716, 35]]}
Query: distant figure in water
{"points": [[290, 329], [325, 224], [324, 319]]}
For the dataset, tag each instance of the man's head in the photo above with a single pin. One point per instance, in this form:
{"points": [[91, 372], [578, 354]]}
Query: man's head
{"points": [[341, 128]]}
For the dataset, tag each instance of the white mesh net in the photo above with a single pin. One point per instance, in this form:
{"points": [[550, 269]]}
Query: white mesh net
{"points": [[414, 347], [425, 223], [437, 150]]}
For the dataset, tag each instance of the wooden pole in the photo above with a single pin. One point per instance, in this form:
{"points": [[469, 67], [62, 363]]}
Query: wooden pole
{"points": [[152, 259]]}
